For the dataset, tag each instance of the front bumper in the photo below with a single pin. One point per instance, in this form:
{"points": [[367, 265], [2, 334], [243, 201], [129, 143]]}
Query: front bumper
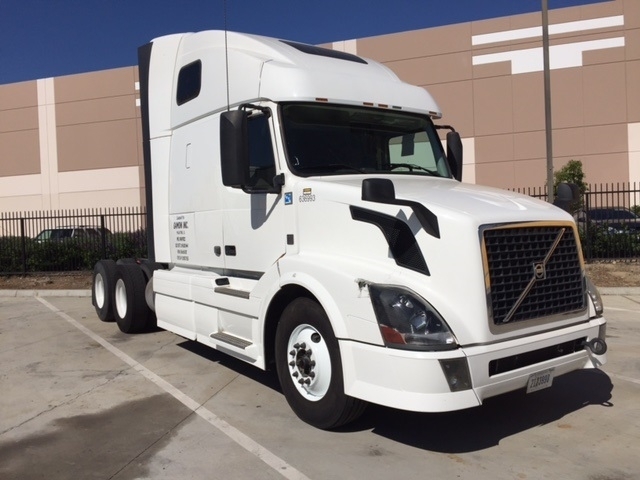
{"points": [[415, 381]]}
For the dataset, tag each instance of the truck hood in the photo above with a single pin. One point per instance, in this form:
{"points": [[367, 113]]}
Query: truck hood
{"points": [[454, 279], [449, 198]]}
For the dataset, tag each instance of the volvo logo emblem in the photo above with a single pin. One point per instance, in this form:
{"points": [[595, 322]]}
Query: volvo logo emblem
{"points": [[539, 271]]}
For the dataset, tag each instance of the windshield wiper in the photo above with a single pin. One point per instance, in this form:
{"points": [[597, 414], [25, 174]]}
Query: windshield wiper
{"points": [[412, 167]]}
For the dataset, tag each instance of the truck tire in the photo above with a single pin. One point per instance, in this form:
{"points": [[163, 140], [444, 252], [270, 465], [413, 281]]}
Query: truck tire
{"points": [[310, 369], [147, 269], [129, 305], [104, 273]]}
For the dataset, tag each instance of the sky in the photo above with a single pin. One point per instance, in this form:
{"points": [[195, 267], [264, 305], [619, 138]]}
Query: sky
{"points": [[50, 38]]}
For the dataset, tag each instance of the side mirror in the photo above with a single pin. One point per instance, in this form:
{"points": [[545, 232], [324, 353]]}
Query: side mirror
{"points": [[382, 190], [379, 190], [234, 148], [454, 154], [567, 196]]}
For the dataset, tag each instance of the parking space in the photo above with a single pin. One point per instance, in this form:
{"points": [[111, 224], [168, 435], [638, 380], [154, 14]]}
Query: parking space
{"points": [[82, 400]]}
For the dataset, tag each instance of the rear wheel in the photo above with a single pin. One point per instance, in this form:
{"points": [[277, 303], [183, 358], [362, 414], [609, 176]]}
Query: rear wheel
{"points": [[310, 369], [147, 269], [130, 308], [102, 289]]}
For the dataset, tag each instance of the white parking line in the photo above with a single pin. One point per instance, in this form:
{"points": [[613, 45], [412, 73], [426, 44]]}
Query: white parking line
{"points": [[620, 309], [624, 377], [236, 435]]}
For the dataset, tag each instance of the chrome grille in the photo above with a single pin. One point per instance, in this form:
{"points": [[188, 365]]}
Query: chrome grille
{"points": [[533, 272]]}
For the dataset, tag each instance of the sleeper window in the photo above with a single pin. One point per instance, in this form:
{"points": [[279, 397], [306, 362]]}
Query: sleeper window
{"points": [[189, 82]]}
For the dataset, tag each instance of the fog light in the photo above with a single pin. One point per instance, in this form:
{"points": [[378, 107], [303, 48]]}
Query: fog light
{"points": [[456, 371]]}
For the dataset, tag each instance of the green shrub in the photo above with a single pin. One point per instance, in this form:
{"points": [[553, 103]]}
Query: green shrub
{"points": [[598, 242], [72, 254], [572, 173], [128, 245], [11, 258]]}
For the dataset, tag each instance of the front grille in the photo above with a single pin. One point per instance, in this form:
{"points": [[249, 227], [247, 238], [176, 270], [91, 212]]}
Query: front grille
{"points": [[533, 272], [521, 360]]}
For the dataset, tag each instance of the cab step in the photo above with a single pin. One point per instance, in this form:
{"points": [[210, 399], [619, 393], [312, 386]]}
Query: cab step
{"points": [[231, 340], [234, 292]]}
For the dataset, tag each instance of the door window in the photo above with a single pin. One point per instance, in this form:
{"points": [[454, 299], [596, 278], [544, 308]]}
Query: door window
{"points": [[262, 165]]}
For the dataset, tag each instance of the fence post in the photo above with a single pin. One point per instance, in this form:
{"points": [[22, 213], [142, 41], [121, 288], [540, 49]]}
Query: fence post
{"points": [[587, 222], [23, 242], [103, 236]]}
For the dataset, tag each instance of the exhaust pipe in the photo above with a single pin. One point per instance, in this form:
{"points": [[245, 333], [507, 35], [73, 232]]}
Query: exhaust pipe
{"points": [[597, 346]]}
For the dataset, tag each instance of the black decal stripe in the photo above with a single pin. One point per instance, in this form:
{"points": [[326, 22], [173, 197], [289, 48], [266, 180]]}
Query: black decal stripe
{"points": [[402, 243]]}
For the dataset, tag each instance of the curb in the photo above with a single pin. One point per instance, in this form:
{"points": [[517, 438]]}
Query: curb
{"points": [[619, 290]]}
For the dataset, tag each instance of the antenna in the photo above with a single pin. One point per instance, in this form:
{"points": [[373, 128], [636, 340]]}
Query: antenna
{"points": [[226, 52]]}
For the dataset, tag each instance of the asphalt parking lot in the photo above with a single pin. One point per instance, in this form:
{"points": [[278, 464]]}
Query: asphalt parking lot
{"points": [[82, 400]]}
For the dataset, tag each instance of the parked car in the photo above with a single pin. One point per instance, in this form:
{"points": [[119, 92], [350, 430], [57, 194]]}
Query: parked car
{"points": [[614, 219], [62, 233]]}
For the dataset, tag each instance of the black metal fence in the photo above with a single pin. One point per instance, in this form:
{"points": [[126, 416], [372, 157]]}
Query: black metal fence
{"points": [[69, 240], [608, 218]]}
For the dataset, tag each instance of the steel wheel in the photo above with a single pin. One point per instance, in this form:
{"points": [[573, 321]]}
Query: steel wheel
{"points": [[130, 307], [310, 368], [98, 288], [120, 298], [102, 289], [309, 362]]}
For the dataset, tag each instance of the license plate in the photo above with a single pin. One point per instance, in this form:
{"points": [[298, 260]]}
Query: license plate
{"points": [[540, 380]]}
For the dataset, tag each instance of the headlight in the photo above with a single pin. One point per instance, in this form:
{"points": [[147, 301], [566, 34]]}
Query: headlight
{"points": [[408, 321], [595, 297]]}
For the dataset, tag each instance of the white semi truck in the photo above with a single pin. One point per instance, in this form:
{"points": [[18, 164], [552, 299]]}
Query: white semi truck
{"points": [[303, 215]]}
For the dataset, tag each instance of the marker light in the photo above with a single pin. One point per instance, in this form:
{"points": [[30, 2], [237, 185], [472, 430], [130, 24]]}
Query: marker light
{"points": [[595, 297]]}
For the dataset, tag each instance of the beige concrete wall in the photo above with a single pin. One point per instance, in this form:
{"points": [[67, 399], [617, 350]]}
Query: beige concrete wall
{"points": [[19, 146], [75, 141], [487, 78], [71, 142], [96, 119]]}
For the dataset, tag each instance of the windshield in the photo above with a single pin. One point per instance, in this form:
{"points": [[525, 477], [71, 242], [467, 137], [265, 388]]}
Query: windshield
{"points": [[325, 139]]}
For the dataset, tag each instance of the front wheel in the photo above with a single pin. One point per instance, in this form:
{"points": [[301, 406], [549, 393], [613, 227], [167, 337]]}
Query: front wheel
{"points": [[310, 369]]}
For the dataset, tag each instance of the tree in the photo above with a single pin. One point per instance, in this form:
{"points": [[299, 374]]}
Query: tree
{"points": [[571, 173]]}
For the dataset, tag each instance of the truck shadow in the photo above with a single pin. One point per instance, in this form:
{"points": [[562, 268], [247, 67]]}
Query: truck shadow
{"points": [[498, 418], [462, 431], [267, 378]]}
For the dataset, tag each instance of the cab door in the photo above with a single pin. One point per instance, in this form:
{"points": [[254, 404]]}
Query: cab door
{"points": [[254, 236]]}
